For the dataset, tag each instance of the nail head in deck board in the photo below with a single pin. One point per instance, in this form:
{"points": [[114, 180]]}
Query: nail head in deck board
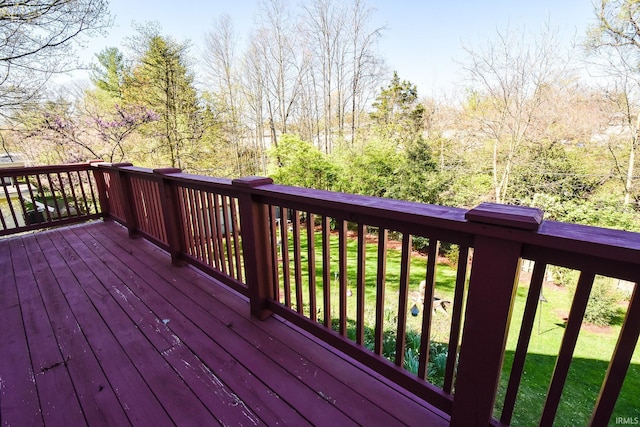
{"points": [[521, 217]]}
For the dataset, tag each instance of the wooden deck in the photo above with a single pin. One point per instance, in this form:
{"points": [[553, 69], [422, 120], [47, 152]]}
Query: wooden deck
{"points": [[99, 329]]}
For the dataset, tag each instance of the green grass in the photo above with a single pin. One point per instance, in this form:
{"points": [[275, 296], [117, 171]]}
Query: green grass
{"points": [[591, 357], [593, 350]]}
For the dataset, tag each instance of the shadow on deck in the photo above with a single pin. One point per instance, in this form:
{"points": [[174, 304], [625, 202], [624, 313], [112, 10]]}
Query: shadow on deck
{"points": [[100, 329]]}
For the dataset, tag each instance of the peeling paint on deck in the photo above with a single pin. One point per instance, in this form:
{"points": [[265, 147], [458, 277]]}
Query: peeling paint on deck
{"points": [[236, 400]]}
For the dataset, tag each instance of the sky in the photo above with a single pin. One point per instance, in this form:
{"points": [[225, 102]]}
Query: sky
{"points": [[422, 39]]}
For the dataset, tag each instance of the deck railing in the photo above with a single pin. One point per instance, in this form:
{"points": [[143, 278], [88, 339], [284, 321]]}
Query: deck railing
{"points": [[320, 260], [38, 197]]}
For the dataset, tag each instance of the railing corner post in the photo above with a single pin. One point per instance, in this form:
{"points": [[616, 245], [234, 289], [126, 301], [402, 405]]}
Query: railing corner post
{"points": [[492, 289], [170, 208], [98, 176], [127, 198], [254, 226]]}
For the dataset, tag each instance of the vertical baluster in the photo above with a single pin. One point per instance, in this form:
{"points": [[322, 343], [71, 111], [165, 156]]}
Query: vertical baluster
{"points": [[85, 205], [2, 220], [73, 195], [273, 235], [403, 296], [31, 196], [152, 210], [456, 318], [43, 197], [326, 269], [360, 285], [206, 212], [219, 233], [64, 194], [147, 192], [297, 261], [159, 211], [197, 226], [101, 191], [561, 370], [236, 237], [53, 196], [284, 246], [140, 203], [11, 209], [617, 370], [21, 199], [214, 231], [520, 355], [427, 311], [380, 289], [188, 232], [311, 258], [342, 274], [227, 233]]}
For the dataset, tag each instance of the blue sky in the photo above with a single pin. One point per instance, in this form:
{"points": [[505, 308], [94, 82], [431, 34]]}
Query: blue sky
{"points": [[422, 40]]}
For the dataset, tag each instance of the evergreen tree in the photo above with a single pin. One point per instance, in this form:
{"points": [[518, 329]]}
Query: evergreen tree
{"points": [[161, 81], [398, 116]]}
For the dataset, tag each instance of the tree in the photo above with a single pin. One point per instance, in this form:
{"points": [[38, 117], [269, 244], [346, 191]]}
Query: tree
{"points": [[398, 116], [418, 177], [37, 40], [369, 168], [299, 163], [279, 56], [366, 65], [616, 37], [161, 81], [221, 66], [110, 73], [508, 80]]}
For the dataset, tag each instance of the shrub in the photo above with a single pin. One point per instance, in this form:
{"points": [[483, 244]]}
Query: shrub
{"points": [[602, 307]]}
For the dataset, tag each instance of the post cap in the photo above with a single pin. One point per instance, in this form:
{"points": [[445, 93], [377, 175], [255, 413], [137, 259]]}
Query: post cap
{"points": [[520, 217], [166, 171], [252, 181]]}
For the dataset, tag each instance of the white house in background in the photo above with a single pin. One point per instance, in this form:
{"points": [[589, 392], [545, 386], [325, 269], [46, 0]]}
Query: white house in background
{"points": [[10, 160]]}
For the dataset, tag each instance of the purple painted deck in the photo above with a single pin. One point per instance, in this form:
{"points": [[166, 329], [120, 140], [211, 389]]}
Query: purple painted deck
{"points": [[99, 329]]}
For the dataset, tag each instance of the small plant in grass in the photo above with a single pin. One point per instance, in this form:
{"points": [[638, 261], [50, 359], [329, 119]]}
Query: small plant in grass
{"points": [[602, 307]]}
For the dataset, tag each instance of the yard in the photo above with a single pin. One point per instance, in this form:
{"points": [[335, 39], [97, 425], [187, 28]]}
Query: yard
{"points": [[592, 353]]}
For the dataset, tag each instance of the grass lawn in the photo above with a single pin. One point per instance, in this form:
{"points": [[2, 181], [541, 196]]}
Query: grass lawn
{"points": [[593, 350]]}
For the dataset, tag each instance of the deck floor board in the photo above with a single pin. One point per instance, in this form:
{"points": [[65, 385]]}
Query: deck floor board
{"points": [[136, 341]]}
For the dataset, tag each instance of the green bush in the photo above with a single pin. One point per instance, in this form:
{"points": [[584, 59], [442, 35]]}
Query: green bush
{"points": [[602, 307]]}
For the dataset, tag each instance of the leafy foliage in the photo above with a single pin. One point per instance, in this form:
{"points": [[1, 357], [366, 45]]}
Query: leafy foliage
{"points": [[299, 163], [602, 307]]}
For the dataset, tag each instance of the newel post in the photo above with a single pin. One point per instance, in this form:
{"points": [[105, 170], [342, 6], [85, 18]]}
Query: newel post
{"points": [[126, 195], [256, 249], [98, 176], [492, 288], [171, 213]]}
